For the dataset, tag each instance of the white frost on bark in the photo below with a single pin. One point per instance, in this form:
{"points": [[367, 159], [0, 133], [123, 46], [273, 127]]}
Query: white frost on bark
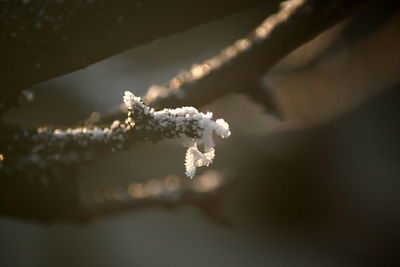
{"points": [[193, 127]]}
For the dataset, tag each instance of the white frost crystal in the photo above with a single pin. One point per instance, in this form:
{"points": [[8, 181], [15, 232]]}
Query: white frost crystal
{"points": [[193, 127]]}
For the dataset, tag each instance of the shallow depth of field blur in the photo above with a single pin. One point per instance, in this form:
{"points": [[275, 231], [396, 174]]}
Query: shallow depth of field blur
{"points": [[320, 188]]}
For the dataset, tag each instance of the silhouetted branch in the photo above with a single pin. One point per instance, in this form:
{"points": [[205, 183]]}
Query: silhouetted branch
{"points": [[44, 39], [240, 67]]}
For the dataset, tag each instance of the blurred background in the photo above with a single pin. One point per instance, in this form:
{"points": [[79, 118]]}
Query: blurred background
{"points": [[319, 188]]}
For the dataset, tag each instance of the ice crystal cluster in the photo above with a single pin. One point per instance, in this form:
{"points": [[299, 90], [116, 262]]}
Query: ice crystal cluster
{"points": [[193, 127]]}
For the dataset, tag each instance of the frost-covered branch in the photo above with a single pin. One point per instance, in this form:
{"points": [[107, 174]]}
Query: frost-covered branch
{"points": [[31, 152], [195, 128]]}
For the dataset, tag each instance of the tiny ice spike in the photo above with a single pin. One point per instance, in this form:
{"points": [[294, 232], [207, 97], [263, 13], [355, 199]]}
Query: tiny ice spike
{"points": [[193, 127]]}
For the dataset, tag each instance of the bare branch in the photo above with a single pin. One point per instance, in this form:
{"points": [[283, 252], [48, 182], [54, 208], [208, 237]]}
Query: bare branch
{"points": [[207, 193], [241, 66], [44, 39]]}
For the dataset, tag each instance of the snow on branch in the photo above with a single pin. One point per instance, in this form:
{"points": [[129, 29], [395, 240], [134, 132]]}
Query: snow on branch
{"points": [[34, 151], [193, 127]]}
